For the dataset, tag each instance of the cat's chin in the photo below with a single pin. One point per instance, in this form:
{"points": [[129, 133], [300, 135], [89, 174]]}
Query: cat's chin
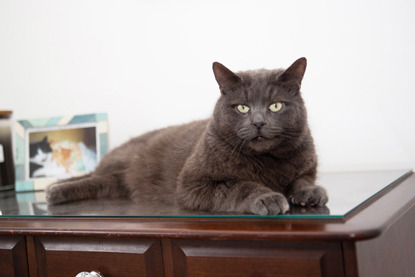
{"points": [[261, 144]]}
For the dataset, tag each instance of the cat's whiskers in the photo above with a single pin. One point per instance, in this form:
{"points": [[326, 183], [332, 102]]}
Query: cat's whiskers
{"points": [[232, 140], [236, 141], [244, 133], [242, 144], [239, 140], [291, 140], [285, 132]]}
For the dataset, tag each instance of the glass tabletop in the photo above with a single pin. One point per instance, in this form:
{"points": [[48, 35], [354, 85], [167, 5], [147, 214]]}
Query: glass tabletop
{"points": [[347, 191]]}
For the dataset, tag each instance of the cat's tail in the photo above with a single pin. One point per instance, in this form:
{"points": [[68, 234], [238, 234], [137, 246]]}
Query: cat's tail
{"points": [[86, 187]]}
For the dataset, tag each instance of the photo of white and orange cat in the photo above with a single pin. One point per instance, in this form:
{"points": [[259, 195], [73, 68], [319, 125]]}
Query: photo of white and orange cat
{"points": [[61, 154]]}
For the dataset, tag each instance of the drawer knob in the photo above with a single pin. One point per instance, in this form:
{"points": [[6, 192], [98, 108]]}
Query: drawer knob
{"points": [[89, 274]]}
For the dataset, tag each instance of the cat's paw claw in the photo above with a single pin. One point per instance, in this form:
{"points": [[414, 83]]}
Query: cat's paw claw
{"points": [[309, 196], [270, 204]]}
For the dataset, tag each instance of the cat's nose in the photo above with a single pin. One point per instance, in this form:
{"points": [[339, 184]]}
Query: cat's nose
{"points": [[259, 124], [258, 120]]}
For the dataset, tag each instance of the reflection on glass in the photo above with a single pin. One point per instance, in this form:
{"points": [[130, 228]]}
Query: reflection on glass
{"points": [[347, 191]]}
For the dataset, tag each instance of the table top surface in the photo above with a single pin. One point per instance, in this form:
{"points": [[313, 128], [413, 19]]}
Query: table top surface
{"points": [[362, 205], [347, 191]]}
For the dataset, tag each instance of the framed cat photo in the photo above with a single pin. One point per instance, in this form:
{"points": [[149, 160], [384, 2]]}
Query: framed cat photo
{"points": [[52, 149]]}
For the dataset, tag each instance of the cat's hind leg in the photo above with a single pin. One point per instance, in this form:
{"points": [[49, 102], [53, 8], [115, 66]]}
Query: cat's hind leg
{"points": [[86, 187]]}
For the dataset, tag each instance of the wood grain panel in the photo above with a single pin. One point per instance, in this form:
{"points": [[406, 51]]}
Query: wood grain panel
{"points": [[13, 258], [391, 254], [68, 256], [238, 258]]}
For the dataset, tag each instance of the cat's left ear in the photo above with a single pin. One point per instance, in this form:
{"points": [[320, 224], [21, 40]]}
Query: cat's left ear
{"points": [[291, 78]]}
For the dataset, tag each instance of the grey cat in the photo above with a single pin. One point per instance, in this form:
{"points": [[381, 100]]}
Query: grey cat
{"points": [[254, 155]]}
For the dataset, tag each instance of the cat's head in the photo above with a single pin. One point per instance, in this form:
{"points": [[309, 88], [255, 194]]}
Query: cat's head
{"points": [[40, 151], [260, 110]]}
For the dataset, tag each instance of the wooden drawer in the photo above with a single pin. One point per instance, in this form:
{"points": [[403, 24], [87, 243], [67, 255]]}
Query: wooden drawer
{"points": [[239, 258], [67, 256], [13, 258]]}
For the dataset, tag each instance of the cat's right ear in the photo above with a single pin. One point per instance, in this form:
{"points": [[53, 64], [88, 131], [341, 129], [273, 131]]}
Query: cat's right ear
{"points": [[226, 79]]}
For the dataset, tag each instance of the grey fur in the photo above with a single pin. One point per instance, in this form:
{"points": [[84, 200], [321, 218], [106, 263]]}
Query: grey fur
{"points": [[254, 163]]}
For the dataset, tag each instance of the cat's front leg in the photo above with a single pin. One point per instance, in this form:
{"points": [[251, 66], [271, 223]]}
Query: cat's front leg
{"points": [[271, 203], [304, 193], [231, 196]]}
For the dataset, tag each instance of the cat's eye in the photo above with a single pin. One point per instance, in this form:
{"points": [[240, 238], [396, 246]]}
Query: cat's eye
{"points": [[275, 107], [243, 108]]}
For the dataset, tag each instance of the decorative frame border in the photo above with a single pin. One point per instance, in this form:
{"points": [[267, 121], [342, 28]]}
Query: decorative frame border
{"points": [[22, 128]]}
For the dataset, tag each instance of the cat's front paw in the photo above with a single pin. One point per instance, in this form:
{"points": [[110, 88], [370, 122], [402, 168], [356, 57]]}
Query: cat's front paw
{"points": [[270, 204], [309, 196], [54, 194]]}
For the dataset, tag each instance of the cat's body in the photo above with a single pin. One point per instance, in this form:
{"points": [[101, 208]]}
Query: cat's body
{"points": [[253, 154]]}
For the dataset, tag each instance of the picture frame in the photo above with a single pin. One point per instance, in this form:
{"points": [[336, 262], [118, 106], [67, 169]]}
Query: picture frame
{"points": [[56, 148]]}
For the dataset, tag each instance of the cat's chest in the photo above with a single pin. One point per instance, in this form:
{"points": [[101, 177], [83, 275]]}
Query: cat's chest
{"points": [[267, 170]]}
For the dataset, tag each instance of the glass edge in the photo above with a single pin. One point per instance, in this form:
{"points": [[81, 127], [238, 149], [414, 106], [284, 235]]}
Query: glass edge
{"points": [[178, 216], [380, 193]]}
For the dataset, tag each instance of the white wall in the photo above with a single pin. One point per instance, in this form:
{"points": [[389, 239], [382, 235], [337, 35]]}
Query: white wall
{"points": [[148, 64]]}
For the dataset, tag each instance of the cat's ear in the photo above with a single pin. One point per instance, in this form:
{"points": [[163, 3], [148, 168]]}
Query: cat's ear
{"points": [[226, 79], [291, 78]]}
